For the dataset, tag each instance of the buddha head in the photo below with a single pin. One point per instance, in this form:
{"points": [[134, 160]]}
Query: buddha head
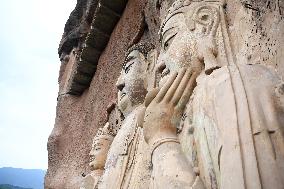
{"points": [[186, 33], [132, 82], [100, 147]]}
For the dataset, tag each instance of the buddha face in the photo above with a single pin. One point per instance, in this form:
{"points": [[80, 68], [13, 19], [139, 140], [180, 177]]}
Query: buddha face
{"points": [[131, 84], [178, 42], [98, 153]]}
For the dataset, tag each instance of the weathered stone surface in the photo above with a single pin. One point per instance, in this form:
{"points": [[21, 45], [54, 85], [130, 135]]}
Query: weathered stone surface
{"points": [[78, 118], [116, 6], [76, 27], [87, 67], [105, 19], [90, 54], [97, 39], [92, 44], [215, 119]]}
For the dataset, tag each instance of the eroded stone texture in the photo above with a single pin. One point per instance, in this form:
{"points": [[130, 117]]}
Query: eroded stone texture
{"points": [[105, 19], [214, 114], [77, 26], [78, 118], [231, 118]]}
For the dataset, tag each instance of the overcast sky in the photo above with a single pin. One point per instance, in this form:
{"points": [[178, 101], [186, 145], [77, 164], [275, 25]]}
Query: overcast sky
{"points": [[30, 31]]}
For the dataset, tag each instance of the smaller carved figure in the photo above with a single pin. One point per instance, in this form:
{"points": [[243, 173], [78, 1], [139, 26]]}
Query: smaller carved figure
{"points": [[98, 154], [126, 165]]}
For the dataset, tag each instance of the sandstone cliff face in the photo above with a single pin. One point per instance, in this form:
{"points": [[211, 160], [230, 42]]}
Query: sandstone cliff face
{"points": [[79, 117], [256, 33]]}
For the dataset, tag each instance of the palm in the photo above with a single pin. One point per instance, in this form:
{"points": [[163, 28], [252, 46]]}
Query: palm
{"points": [[163, 108]]}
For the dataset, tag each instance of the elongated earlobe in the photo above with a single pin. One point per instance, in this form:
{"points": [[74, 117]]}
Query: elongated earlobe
{"points": [[208, 18]]}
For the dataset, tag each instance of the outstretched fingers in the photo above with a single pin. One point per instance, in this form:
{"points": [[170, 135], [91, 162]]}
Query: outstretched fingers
{"points": [[174, 86], [187, 92], [182, 86], [166, 87]]}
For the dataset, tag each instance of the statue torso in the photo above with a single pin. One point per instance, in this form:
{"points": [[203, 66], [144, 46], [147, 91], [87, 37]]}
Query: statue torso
{"points": [[232, 119], [127, 164]]}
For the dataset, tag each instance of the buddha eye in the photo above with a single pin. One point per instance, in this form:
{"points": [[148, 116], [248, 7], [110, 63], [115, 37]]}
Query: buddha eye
{"points": [[127, 68], [168, 42]]}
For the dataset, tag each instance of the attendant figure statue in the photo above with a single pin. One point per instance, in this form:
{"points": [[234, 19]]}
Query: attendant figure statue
{"points": [[127, 164], [98, 154]]}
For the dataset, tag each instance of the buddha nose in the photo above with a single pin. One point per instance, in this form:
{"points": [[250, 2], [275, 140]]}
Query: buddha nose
{"points": [[120, 83]]}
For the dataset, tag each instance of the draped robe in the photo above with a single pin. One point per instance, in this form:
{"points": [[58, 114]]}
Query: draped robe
{"points": [[238, 117], [128, 161]]}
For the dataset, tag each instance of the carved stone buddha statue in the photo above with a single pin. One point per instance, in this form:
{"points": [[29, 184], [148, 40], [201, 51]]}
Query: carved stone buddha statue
{"points": [[230, 133], [98, 154], [127, 165]]}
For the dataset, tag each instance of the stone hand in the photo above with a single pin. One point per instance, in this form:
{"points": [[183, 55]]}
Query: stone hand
{"points": [[164, 107]]}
